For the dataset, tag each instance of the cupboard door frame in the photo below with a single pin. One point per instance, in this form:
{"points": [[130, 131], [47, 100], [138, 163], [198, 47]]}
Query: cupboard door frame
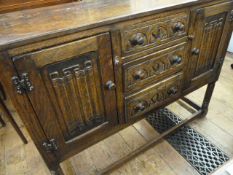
{"points": [[41, 100], [197, 27], [24, 109]]}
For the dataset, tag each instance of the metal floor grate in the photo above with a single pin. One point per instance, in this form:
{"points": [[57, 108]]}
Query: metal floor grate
{"points": [[198, 151]]}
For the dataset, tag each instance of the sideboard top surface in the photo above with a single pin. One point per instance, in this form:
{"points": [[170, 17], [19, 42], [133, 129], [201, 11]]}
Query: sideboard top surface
{"points": [[18, 27]]}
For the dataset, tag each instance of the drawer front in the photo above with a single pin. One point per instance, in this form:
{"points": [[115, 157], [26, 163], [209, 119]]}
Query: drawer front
{"points": [[154, 33], [154, 67], [153, 96]]}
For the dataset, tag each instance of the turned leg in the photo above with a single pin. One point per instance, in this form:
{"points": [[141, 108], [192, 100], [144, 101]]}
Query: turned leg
{"points": [[207, 98]]}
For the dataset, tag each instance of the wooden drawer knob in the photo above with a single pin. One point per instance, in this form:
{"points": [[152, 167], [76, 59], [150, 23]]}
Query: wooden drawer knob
{"points": [[137, 39], [178, 27], [172, 91], [176, 60], [110, 85], [140, 107], [139, 75], [195, 51]]}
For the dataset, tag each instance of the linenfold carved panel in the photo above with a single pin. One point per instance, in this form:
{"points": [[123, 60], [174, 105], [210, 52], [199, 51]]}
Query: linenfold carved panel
{"points": [[210, 42], [76, 85]]}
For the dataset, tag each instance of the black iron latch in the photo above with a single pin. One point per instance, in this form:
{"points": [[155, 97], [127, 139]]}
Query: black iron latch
{"points": [[22, 84], [50, 146]]}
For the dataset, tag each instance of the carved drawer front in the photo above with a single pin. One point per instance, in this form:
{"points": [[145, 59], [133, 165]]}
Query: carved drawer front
{"points": [[153, 96], [154, 67], [154, 33]]}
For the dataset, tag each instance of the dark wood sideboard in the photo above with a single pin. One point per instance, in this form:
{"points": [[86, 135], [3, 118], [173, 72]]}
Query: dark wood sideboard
{"points": [[78, 73]]}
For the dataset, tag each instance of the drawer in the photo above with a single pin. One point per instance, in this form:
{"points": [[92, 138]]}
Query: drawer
{"points": [[153, 96], [154, 33], [154, 67]]}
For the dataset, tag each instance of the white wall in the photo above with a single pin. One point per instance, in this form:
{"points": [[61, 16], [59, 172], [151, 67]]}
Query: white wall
{"points": [[230, 48]]}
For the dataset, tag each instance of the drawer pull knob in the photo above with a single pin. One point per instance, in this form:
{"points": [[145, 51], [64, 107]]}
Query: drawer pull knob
{"points": [[195, 51], [176, 60], [139, 75], [137, 39], [172, 91], [178, 27], [88, 64], [140, 107], [110, 85]]}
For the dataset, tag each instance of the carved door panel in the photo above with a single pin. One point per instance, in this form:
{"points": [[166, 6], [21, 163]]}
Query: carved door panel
{"points": [[207, 26], [73, 90]]}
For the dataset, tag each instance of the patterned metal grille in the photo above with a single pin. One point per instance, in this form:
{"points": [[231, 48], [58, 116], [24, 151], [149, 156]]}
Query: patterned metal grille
{"points": [[198, 151]]}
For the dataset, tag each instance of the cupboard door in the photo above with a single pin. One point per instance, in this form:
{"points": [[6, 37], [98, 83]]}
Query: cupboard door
{"points": [[207, 26], [73, 91]]}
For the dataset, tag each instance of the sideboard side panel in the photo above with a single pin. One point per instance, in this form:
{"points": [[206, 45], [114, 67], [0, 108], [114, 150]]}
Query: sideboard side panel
{"points": [[24, 108]]}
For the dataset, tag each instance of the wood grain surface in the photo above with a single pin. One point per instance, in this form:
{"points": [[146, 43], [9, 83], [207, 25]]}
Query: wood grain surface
{"points": [[16, 158], [77, 16]]}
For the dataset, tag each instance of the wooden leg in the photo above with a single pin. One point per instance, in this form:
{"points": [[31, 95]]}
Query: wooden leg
{"points": [[2, 121], [12, 121], [207, 98], [201, 111]]}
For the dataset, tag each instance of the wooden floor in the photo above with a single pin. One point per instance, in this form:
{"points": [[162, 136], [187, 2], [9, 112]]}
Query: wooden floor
{"points": [[19, 159]]}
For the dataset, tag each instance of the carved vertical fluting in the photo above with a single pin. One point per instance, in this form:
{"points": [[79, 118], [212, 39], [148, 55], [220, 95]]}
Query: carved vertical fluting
{"points": [[84, 94], [204, 50], [94, 94], [217, 36], [75, 120], [77, 89], [58, 85], [210, 41]]}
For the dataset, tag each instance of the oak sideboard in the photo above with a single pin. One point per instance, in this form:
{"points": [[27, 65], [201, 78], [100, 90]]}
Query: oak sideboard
{"points": [[79, 72]]}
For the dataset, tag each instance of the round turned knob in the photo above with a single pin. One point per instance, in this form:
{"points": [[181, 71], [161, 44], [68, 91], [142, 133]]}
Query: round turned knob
{"points": [[140, 107], [176, 60], [110, 85], [139, 75], [172, 91], [178, 27], [88, 64], [137, 39], [195, 51]]}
